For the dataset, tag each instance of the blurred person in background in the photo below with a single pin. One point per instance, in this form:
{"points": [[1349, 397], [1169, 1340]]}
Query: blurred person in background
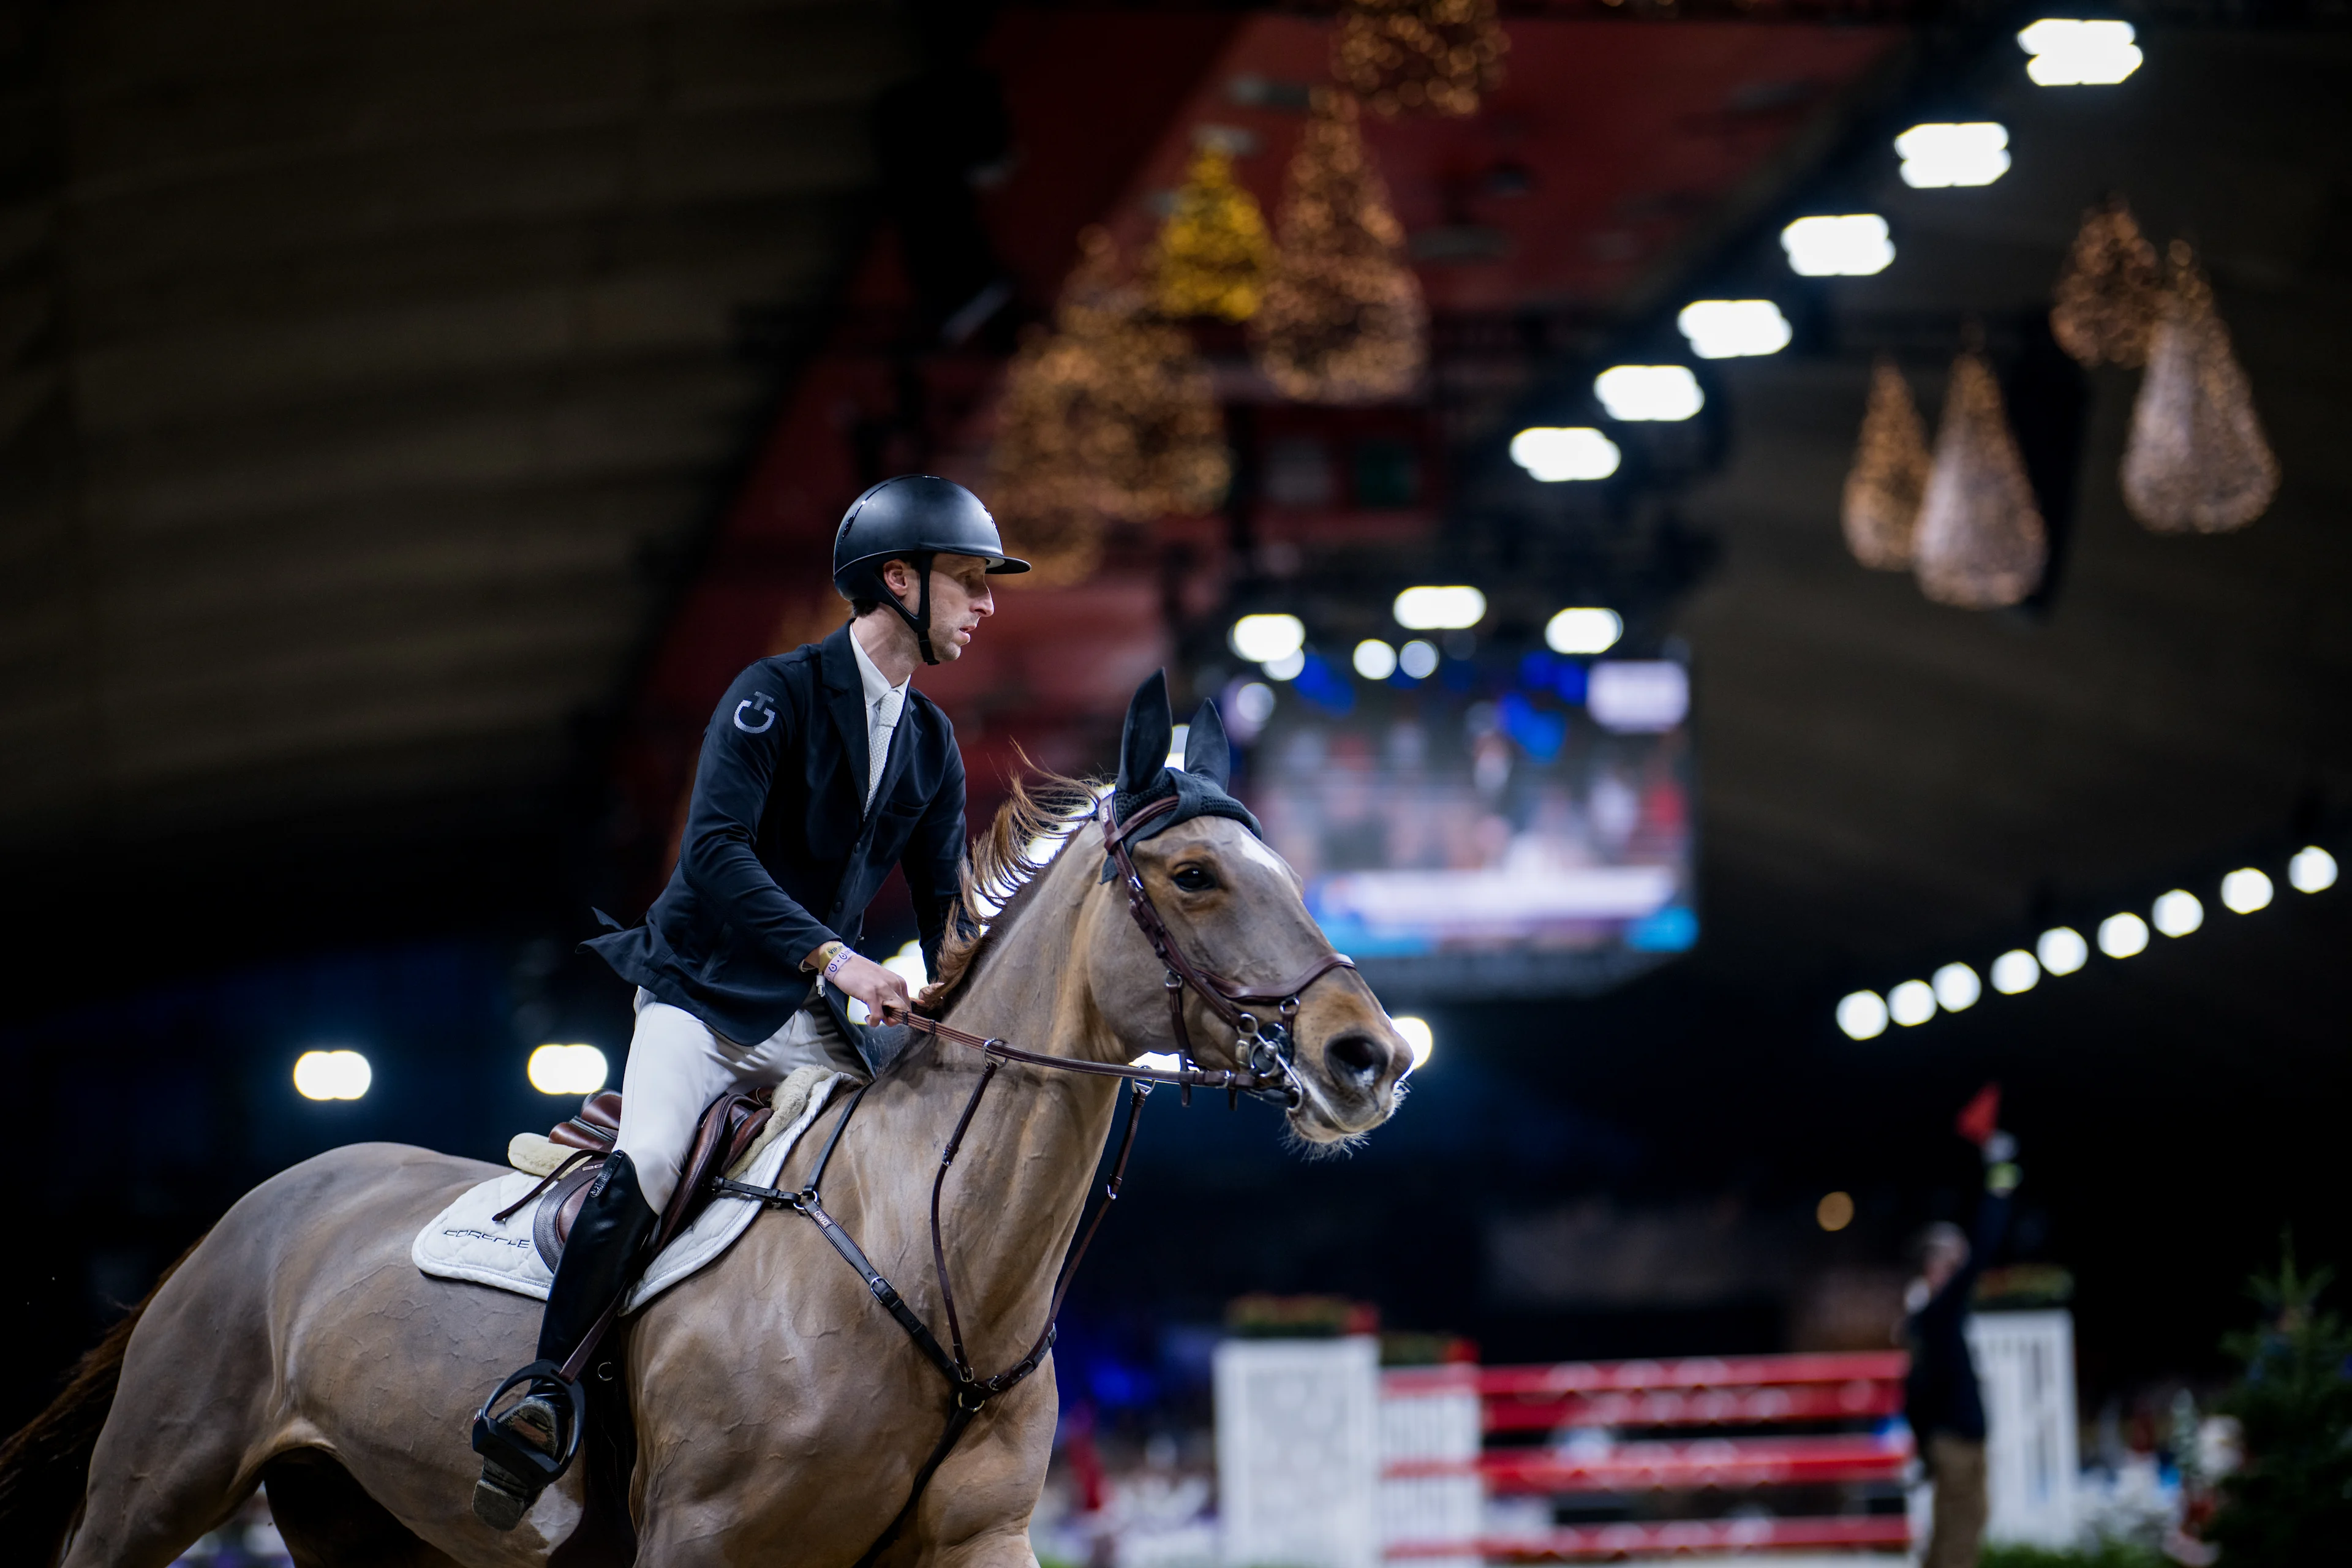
{"points": [[1941, 1398], [821, 770]]}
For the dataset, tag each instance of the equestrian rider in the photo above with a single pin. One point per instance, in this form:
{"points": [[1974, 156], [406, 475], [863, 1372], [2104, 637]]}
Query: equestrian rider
{"points": [[821, 770]]}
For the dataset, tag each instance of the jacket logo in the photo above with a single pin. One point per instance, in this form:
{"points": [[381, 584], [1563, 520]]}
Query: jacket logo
{"points": [[762, 707]]}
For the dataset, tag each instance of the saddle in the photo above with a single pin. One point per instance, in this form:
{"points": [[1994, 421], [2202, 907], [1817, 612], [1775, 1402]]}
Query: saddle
{"points": [[729, 1127]]}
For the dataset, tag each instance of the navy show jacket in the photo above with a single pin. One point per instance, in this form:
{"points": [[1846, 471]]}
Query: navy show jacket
{"points": [[779, 855]]}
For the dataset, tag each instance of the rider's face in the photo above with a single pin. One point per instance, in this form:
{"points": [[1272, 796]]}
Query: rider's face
{"points": [[960, 599]]}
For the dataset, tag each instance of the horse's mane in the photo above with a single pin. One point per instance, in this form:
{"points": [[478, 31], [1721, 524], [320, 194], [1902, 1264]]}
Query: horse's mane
{"points": [[1000, 871]]}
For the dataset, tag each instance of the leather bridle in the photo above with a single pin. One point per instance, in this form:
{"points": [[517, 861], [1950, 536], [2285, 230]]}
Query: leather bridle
{"points": [[1264, 1068], [1264, 1047]]}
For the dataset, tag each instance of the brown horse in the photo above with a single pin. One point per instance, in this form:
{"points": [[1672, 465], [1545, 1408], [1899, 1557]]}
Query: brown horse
{"points": [[780, 1413]]}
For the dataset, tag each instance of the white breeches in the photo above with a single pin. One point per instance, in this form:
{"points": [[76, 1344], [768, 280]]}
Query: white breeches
{"points": [[678, 1065]]}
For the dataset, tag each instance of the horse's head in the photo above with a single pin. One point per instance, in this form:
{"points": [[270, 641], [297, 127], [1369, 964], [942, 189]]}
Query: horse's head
{"points": [[1232, 907]]}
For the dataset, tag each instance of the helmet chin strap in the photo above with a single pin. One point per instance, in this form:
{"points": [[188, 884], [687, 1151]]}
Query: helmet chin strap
{"points": [[919, 618]]}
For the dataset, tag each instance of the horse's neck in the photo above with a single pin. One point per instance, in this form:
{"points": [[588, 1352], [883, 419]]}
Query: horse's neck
{"points": [[1022, 1175]]}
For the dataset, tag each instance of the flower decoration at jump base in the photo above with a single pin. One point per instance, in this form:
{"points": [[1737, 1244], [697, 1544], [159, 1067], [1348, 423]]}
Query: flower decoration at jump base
{"points": [[1428, 56], [1343, 320]]}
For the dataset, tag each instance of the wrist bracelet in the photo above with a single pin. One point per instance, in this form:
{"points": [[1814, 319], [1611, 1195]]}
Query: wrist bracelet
{"points": [[838, 960]]}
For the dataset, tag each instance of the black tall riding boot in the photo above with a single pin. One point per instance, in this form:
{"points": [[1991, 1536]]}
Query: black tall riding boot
{"points": [[601, 1258]]}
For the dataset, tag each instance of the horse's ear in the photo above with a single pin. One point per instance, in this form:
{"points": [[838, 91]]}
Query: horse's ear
{"points": [[1207, 754], [1143, 749]]}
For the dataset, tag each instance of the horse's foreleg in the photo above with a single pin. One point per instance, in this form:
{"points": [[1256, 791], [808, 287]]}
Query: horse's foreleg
{"points": [[975, 1514]]}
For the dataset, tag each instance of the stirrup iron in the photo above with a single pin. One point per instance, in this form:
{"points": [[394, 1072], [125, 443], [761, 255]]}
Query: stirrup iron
{"points": [[515, 1470]]}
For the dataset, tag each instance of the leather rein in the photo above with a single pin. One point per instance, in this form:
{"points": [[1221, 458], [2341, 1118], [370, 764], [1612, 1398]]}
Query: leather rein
{"points": [[1265, 1046]]}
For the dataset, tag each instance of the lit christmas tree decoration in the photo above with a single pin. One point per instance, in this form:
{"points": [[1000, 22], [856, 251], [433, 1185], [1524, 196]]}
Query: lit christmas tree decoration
{"points": [[1343, 320], [2106, 303], [1425, 57], [1109, 418], [1212, 253]]}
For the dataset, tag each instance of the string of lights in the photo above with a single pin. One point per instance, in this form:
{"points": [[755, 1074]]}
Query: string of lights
{"points": [[2062, 950]]}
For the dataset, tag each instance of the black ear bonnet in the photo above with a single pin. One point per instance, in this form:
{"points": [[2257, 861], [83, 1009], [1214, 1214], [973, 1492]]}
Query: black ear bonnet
{"points": [[1144, 776]]}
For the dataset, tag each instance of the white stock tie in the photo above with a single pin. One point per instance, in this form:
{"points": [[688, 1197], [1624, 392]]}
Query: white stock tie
{"points": [[878, 738]]}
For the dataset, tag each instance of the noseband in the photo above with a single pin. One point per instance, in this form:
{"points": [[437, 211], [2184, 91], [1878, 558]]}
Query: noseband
{"points": [[1263, 1048], [1264, 1068]]}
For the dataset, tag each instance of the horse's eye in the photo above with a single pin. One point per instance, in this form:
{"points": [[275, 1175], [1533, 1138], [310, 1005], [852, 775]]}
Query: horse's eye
{"points": [[1193, 879]]}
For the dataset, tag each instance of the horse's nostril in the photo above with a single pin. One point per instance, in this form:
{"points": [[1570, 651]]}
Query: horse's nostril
{"points": [[1360, 1056]]}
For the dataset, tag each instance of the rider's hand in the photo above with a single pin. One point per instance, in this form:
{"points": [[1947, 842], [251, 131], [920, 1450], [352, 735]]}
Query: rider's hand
{"points": [[883, 991]]}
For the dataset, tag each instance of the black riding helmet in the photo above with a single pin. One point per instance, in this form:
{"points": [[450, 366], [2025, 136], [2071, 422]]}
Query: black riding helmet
{"points": [[913, 518]]}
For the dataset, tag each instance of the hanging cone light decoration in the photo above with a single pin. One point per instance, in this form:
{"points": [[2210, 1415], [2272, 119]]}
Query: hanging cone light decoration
{"points": [[2105, 306], [1212, 252], [1980, 543], [1882, 490], [1425, 57], [2197, 460], [1109, 417], [1343, 320]]}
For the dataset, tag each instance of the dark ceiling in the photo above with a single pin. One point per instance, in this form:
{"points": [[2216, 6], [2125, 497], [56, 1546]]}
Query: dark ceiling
{"points": [[368, 367], [1884, 775]]}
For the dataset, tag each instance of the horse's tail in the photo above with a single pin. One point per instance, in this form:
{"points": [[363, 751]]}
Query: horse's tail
{"points": [[44, 1468]]}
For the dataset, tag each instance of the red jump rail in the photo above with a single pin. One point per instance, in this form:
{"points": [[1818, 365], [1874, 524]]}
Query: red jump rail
{"points": [[1572, 1543]]}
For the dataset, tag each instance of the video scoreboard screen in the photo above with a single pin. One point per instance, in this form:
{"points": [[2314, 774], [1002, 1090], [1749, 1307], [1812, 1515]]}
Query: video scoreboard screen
{"points": [[1521, 829]]}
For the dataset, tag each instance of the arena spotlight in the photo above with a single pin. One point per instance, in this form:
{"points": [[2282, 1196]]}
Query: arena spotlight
{"points": [[2062, 950], [2014, 972], [1418, 1034], [1863, 1016], [1911, 1004], [1937, 156], [2177, 913], [1734, 329], [1853, 244], [566, 1069], [2070, 53], [1957, 987], [1584, 629], [1254, 705], [1557, 454], [1418, 659], [1288, 667], [2121, 936], [2313, 869], [1439, 610], [1375, 660], [1649, 392], [2244, 890], [332, 1075], [1261, 639], [1835, 1212]]}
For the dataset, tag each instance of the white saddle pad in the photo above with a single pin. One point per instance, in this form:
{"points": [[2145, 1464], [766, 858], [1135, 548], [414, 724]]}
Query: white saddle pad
{"points": [[466, 1241]]}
